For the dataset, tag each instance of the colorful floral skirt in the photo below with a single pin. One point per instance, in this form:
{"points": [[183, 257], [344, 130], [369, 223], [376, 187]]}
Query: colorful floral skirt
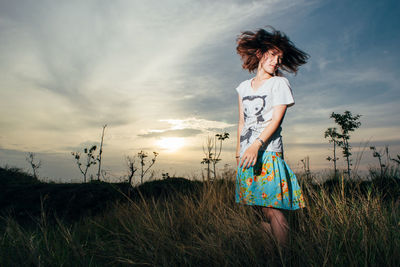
{"points": [[269, 183]]}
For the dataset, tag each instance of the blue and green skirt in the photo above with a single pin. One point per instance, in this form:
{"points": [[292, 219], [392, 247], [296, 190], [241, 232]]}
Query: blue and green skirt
{"points": [[269, 183]]}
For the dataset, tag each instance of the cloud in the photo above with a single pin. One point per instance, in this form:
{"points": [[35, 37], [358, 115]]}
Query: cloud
{"points": [[187, 127], [110, 63], [195, 123], [172, 133]]}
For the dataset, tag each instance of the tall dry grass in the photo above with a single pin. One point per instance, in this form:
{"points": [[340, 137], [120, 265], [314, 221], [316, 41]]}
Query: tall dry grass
{"points": [[207, 228]]}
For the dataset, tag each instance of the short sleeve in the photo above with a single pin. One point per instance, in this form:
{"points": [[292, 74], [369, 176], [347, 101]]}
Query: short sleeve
{"points": [[282, 93], [240, 89]]}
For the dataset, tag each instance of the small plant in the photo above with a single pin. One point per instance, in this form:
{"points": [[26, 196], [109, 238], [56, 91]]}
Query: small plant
{"points": [[306, 167], [379, 154], [100, 153], [90, 160], [142, 155], [348, 123], [220, 137], [35, 165], [130, 161], [208, 153], [397, 160], [333, 138], [213, 157], [165, 175]]}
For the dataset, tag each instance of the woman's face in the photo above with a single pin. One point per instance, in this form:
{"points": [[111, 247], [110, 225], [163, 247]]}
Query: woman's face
{"points": [[271, 61]]}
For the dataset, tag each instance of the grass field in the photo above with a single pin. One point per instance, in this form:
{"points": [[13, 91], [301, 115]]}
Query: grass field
{"points": [[182, 223]]}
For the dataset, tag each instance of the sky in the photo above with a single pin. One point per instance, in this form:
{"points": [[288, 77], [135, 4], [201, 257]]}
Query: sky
{"points": [[162, 76]]}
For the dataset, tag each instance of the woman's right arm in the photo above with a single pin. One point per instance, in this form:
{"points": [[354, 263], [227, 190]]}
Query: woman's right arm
{"points": [[239, 130]]}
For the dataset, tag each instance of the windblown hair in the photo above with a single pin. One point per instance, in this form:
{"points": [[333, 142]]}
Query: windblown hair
{"points": [[252, 45]]}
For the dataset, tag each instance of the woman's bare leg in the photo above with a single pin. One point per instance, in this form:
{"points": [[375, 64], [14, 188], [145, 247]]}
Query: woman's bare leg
{"points": [[267, 227], [278, 224]]}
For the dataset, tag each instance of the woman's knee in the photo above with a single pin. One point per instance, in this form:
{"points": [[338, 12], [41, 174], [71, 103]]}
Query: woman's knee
{"points": [[268, 213], [271, 214]]}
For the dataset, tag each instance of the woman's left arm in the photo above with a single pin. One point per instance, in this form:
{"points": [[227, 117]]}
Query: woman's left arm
{"points": [[250, 155]]}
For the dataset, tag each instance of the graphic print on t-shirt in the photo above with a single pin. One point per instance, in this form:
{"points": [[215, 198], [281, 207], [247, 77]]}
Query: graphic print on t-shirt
{"points": [[253, 107], [258, 111]]}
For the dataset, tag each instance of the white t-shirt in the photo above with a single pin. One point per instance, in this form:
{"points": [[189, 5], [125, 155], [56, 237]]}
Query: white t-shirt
{"points": [[258, 107]]}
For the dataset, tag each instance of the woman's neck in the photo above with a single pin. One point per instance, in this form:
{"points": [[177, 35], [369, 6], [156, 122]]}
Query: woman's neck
{"points": [[262, 75]]}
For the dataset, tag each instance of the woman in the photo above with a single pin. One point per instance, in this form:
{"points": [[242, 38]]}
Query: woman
{"points": [[264, 180]]}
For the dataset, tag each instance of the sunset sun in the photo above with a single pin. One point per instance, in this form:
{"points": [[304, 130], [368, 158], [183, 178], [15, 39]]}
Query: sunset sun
{"points": [[171, 144]]}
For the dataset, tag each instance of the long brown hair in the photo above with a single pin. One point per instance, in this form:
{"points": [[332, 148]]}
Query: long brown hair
{"points": [[252, 45]]}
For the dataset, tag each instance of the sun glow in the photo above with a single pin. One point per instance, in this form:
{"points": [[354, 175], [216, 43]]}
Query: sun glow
{"points": [[171, 144]]}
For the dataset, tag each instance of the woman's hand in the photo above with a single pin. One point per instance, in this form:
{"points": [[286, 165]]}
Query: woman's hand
{"points": [[250, 155]]}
